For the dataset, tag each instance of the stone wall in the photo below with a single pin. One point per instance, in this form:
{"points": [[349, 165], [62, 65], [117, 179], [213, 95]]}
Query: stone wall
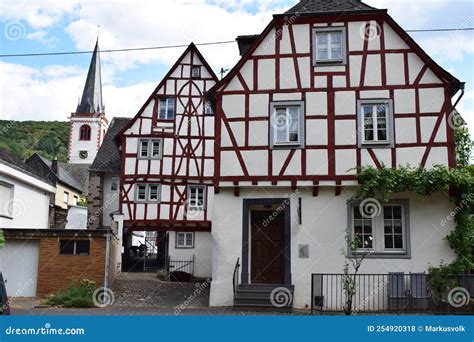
{"points": [[94, 200]]}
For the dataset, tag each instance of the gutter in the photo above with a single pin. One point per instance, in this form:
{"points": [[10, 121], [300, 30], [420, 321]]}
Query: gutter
{"points": [[461, 86]]}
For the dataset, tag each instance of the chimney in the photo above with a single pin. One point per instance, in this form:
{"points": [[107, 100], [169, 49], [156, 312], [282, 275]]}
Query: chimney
{"points": [[54, 165], [245, 42]]}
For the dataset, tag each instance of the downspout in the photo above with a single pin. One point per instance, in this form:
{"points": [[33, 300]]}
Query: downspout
{"points": [[107, 255], [461, 86]]}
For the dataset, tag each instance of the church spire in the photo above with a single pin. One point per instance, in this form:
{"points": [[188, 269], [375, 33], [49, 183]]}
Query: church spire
{"points": [[91, 101]]}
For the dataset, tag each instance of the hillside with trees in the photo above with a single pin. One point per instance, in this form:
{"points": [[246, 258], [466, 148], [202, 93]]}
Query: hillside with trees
{"points": [[23, 138]]}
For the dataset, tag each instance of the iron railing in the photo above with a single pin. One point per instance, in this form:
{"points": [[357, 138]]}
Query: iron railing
{"points": [[392, 293], [185, 266], [235, 277]]}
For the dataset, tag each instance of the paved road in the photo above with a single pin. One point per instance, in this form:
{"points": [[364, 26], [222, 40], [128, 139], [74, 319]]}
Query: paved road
{"points": [[124, 311]]}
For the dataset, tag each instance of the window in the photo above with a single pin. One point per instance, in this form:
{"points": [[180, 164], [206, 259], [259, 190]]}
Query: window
{"points": [[184, 240], [147, 193], [375, 123], [66, 197], [196, 72], [196, 197], [208, 108], [166, 109], [383, 231], [329, 45], [74, 247], [6, 198], [85, 132], [114, 183], [74, 200], [287, 122], [150, 149]]}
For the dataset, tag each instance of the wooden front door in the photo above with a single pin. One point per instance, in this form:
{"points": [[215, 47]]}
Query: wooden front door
{"points": [[267, 245]]}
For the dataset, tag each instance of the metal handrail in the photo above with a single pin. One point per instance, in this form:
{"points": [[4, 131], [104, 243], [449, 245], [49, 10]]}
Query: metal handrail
{"points": [[236, 276]]}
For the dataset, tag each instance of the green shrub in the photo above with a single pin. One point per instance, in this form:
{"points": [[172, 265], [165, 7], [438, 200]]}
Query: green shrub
{"points": [[79, 295]]}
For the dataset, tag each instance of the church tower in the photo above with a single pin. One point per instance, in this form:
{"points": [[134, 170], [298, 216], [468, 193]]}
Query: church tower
{"points": [[88, 124]]}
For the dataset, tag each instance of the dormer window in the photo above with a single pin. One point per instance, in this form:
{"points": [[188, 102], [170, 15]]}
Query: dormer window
{"points": [[85, 133], [196, 72], [166, 109], [329, 46]]}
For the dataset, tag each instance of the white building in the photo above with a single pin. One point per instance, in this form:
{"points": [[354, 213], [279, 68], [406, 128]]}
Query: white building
{"points": [[168, 164], [25, 197], [327, 87]]}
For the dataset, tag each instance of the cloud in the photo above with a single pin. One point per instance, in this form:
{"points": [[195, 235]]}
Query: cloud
{"points": [[52, 92]]}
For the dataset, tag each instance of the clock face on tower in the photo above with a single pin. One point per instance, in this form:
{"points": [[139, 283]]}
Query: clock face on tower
{"points": [[83, 154]]}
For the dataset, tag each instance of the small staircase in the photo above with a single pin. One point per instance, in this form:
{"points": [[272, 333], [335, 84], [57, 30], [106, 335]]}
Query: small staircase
{"points": [[275, 297]]}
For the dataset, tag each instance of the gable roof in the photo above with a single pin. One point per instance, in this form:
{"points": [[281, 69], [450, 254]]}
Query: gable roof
{"points": [[44, 167], [109, 158], [192, 47], [19, 165], [80, 172], [305, 7]]}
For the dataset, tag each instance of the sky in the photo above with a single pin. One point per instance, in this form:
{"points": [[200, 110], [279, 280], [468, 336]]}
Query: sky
{"points": [[48, 87]]}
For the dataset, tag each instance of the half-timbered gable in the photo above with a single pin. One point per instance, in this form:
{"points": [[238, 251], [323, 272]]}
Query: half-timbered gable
{"points": [[168, 151], [328, 86], [343, 91]]}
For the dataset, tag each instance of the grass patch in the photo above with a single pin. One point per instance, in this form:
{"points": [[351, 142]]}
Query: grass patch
{"points": [[78, 295]]}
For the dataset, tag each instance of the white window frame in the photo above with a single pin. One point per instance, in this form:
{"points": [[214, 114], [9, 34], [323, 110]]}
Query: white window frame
{"points": [[328, 31], [198, 68], [378, 249], [75, 199], [275, 122], [191, 188], [167, 116], [149, 149], [6, 210], [362, 142], [147, 198], [66, 197], [184, 245]]}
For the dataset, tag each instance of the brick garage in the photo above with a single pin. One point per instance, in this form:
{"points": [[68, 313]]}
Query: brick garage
{"points": [[56, 271]]}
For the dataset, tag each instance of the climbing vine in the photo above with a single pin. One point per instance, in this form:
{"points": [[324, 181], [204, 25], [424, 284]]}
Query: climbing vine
{"points": [[457, 182]]}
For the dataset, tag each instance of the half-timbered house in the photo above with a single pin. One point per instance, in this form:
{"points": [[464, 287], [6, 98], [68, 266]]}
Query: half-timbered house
{"points": [[327, 87], [168, 163]]}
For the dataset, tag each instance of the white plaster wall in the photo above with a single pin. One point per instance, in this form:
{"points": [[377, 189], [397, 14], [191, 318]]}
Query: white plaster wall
{"points": [[111, 201], [202, 253], [323, 225], [29, 205]]}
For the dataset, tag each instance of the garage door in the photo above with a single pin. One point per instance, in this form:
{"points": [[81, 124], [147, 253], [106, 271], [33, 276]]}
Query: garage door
{"points": [[19, 265]]}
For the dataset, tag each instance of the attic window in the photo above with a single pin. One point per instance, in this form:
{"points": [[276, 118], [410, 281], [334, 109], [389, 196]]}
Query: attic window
{"points": [[196, 72], [329, 46], [166, 109]]}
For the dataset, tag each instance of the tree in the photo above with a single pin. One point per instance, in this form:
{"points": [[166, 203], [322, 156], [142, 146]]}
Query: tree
{"points": [[350, 269]]}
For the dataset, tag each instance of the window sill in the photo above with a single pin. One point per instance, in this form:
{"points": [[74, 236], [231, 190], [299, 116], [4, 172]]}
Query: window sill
{"points": [[376, 145], [177, 247], [328, 63], [286, 146], [383, 255]]}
